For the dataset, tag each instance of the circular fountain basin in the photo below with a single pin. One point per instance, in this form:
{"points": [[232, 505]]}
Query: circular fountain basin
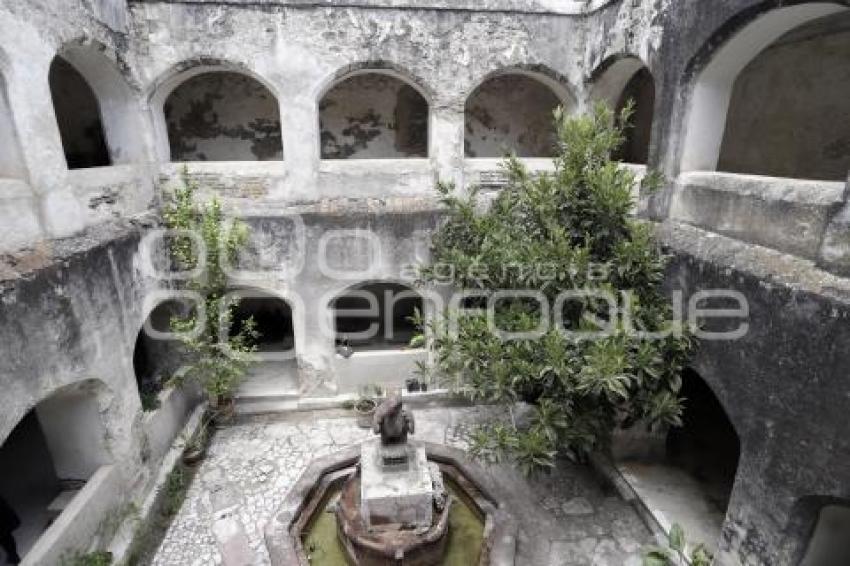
{"points": [[387, 544], [305, 530]]}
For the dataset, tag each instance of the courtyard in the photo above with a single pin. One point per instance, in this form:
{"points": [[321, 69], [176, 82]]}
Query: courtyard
{"points": [[568, 517]]}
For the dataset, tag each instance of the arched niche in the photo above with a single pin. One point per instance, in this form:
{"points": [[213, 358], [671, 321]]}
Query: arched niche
{"points": [[157, 356], [221, 115], [619, 81], [50, 455], [273, 321], [685, 472], [512, 112], [96, 110], [376, 315], [78, 117], [793, 124], [706, 118], [828, 541], [373, 114]]}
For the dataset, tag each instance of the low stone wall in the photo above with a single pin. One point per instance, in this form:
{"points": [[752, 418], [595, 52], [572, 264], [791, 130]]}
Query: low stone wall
{"points": [[788, 215]]}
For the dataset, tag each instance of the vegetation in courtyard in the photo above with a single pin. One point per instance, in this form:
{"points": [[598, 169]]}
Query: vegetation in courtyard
{"points": [[219, 354], [98, 558], [675, 553], [169, 499], [557, 233]]}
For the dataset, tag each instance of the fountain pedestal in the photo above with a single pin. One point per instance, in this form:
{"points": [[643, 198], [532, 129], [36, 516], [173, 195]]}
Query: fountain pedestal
{"points": [[396, 486]]}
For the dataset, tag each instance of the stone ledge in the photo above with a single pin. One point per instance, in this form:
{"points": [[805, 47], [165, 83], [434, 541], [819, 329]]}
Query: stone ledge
{"points": [[562, 7], [789, 215], [770, 266]]}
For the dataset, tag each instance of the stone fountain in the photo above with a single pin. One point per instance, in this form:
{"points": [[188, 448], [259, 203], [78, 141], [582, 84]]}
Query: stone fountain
{"points": [[396, 508], [389, 504]]}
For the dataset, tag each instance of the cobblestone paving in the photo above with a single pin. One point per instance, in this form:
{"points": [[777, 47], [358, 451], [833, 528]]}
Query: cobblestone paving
{"points": [[567, 517]]}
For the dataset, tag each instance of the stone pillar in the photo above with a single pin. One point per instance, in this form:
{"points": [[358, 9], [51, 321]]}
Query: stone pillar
{"points": [[41, 145], [446, 141]]}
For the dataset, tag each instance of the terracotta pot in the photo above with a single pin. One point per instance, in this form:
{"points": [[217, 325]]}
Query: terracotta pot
{"points": [[224, 412], [193, 455], [365, 410]]}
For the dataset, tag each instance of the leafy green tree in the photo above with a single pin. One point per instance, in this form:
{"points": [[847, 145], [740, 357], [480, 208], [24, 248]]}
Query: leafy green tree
{"points": [[219, 355], [558, 232]]}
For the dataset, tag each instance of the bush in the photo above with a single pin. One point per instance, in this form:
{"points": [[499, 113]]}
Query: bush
{"points": [[569, 222], [218, 370]]}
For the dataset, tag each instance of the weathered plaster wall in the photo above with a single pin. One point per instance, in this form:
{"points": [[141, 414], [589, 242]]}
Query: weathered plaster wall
{"points": [[373, 116], [511, 113], [784, 386], [299, 49], [70, 313], [310, 260], [11, 164], [223, 117], [790, 111]]}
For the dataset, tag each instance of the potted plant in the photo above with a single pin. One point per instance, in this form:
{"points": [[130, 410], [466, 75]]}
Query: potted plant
{"points": [[195, 446], [366, 404]]}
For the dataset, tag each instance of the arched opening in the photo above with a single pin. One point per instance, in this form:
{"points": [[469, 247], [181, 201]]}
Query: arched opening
{"points": [[801, 129], [78, 116], [376, 316], [510, 113], [620, 81], [156, 358], [276, 372], [687, 472], [707, 117], [11, 160], [272, 318], [640, 92], [223, 116], [373, 116], [829, 541], [48, 458]]}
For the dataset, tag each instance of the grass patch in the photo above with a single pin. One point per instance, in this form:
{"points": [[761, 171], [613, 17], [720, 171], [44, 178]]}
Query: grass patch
{"points": [[170, 497]]}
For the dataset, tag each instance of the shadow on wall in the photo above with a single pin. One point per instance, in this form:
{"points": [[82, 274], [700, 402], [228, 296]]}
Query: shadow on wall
{"points": [[223, 116], [373, 116]]}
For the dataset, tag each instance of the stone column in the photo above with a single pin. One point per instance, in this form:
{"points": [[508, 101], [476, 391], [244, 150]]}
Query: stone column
{"points": [[41, 145], [446, 140]]}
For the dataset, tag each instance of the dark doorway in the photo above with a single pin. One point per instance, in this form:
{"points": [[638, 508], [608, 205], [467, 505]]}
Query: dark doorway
{"points": [[78, 117]]}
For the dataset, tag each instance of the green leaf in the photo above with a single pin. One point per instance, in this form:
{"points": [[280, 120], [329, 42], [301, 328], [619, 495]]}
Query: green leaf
{"points": [[676, 538]]}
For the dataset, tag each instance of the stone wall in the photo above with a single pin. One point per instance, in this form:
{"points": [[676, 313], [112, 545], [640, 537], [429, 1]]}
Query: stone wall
{"points": [[783, 386]]}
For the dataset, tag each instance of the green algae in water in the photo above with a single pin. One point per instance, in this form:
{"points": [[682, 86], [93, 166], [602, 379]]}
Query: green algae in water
{"points": [[321, 543], [466, 533]]}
